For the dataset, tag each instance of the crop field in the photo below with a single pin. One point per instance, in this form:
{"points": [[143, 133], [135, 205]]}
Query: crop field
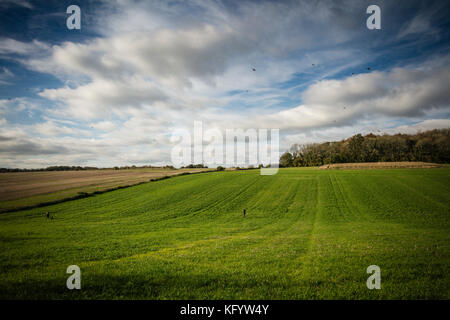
{"points": [[307, 234], [23, 189]]}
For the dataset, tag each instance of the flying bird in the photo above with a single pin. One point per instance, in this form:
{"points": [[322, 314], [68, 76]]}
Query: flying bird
{"points": [[253, 69], [368, 68]]}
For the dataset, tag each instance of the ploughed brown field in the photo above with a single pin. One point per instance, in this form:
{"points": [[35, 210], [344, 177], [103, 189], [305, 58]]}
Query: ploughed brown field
{"points": [[20, 189], [381, 165]]}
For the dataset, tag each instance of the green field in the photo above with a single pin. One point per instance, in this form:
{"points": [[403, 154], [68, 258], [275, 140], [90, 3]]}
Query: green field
{"points": [[308, 234]]}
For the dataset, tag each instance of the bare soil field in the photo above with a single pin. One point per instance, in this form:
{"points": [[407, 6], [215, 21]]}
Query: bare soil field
{"points": [[381, 165], [19, 189]]}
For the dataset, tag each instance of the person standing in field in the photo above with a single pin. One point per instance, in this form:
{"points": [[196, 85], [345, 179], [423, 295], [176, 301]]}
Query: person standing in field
{"points": [[244, 212]]}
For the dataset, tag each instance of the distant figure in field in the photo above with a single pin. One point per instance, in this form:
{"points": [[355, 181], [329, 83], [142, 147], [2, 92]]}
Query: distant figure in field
{"points": [[47, 215], [244, 212]]}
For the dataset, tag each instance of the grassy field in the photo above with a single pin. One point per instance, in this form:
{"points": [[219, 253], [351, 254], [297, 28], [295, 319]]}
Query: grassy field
{"points": [[24, 189], [308, 234]]}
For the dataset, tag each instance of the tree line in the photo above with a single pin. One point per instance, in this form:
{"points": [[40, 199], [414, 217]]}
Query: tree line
{"points": [[79, 168], [52, 168], [428, 146]]}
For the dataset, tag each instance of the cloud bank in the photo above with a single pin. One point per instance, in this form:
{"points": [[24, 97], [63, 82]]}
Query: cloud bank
{"points": [[301, 67]]}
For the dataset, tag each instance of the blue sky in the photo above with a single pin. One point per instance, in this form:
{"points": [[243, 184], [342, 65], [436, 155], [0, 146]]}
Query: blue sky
{"points": [[113, 92]]}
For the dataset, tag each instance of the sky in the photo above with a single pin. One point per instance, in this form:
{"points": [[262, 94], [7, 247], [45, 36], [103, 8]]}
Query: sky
{"points": [[113, 92]]}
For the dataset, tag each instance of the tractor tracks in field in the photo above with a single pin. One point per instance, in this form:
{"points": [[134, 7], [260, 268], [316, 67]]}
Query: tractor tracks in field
{"points": [[306, 259], [345, 208], [340, 210], [420, 194], [228, 198], [356, 214], [286, 214]]}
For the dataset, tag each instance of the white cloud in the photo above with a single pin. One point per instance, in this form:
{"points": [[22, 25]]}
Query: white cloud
{"points": [[375, 126], [100, 98], [21, 3], [400, 93], [5, 76], [158, 67], [104, 125], [11, 46], [52, 129], [425, 125]]}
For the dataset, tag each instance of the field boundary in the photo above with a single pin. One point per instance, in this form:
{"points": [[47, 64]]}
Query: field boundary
{"points": [[380, 165], [82, 195]]}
